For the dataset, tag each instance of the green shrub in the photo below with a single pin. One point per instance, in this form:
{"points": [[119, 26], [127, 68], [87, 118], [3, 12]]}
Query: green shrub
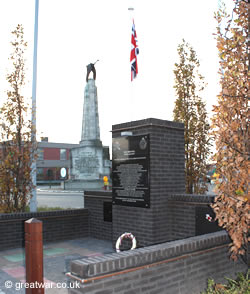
{"points": [[46, 208], [239, 286]]}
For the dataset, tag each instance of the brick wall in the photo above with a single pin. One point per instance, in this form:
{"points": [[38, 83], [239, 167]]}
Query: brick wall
{"points": [[183, 218], [94, 202], [166, 176], [51, 154], [57, 225], [181, 266], [179, 214]]}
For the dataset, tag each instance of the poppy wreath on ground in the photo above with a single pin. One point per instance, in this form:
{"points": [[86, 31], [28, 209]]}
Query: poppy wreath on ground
{"points": [[123, 236]]}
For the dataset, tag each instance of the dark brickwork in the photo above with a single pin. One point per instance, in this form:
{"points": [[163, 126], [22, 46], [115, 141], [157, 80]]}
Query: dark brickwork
{"points": [[94, 202], [167, 176], [181, 209], [181, 266], [57, 225], [179, 214]]}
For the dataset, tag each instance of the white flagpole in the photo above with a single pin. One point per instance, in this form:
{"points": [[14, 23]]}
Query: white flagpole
{"points": [[33, 200]]}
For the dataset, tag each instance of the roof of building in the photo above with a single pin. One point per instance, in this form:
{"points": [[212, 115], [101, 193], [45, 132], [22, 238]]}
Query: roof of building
{"points": [[44, 144]]}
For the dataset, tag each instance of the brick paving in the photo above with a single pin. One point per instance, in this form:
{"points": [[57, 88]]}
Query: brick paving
{"points": [[57, 257]]}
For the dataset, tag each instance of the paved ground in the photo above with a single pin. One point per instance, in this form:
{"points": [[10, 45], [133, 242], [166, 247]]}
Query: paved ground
{"points": [[57, 257], [55, 188]]}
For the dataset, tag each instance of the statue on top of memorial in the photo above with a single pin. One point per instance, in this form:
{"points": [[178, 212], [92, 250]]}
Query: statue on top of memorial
{"points": [[91, 68]]}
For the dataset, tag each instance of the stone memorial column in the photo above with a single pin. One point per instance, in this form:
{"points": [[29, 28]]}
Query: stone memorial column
{"points": [[90, 118], [90, 160]]}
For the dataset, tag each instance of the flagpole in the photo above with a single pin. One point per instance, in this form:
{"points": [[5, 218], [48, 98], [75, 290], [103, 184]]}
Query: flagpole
{"points": [[33, 200]]}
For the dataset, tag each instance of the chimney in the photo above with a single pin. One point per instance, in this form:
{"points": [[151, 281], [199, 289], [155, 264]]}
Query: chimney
{"points": [[44, 139]]}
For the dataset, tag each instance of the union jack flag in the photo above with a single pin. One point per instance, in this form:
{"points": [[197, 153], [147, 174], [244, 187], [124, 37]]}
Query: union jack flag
{"points": [[133, 54]]}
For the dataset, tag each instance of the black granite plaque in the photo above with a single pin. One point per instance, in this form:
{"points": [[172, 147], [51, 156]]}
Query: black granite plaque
{"points": [[202, 225], [130, 171], [107, 211]]}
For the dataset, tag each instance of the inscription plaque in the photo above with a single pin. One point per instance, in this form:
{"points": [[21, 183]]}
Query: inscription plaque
{"points": [[88, 164], [130, 171]]}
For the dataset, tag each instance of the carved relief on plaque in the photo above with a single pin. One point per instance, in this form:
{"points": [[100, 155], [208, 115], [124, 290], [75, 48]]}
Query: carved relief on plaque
{"points": [[88, 164]]}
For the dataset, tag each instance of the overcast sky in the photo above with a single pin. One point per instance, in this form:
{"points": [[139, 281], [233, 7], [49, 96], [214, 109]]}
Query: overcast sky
{"points": [[73, 33]]}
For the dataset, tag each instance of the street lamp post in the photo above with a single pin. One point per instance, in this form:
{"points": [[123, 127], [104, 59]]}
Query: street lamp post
{"points": [[33, 200]]}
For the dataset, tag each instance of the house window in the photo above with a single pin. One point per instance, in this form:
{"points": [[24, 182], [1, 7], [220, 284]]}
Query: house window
{"points": [[50, 174], [63, 154], [39, 174], [40, 154]]}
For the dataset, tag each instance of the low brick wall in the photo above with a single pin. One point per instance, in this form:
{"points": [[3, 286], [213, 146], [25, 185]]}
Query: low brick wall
{"points": [[99, 226], [188, 215], [181, 266], [178, 218], [57, 225]]}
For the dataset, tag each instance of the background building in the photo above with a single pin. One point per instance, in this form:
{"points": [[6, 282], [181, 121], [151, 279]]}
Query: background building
{"points": [[51, 158]]}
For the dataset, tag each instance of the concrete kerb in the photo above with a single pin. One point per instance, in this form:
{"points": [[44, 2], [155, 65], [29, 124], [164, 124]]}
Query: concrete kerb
{"points": [[56, 190]]}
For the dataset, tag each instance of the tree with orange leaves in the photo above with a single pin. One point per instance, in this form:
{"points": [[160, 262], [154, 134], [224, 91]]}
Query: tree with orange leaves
{"points": [[16, 150], [231, 127]]}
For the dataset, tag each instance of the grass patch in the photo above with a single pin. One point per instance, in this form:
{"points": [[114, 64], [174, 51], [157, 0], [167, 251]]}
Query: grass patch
{"points": [[47, 208]]}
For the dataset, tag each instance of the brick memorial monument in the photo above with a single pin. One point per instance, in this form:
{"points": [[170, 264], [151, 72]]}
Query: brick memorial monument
{"points": [[147, 166], [148, 202]]}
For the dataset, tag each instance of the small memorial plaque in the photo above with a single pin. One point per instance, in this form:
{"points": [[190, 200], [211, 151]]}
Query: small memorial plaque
{"points": [[130, 170]]}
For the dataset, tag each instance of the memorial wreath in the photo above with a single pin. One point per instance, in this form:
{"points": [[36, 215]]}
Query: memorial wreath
{"points": [[123, 236]]}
